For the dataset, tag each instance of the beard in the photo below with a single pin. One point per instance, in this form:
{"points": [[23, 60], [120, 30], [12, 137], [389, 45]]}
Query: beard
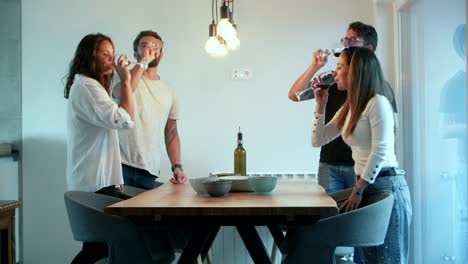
{"points": [[153, 63]]}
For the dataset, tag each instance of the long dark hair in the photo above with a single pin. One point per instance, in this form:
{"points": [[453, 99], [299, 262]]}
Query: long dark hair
{"points": [[84, 61], [365, 80]]}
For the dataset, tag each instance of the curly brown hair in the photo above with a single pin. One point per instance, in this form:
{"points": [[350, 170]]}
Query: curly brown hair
{"points": [[84, 62]]}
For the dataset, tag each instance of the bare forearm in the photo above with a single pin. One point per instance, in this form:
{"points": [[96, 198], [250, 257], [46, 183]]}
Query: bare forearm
{"points": [[172, 140], [126, 98], [173, 150], [136, 73], [302, 82]]}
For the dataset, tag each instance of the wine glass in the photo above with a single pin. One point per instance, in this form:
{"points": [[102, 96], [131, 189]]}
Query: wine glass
{"points": [[324, 54], [127, 62], [306, 94], [323, 81], [336, 49]]}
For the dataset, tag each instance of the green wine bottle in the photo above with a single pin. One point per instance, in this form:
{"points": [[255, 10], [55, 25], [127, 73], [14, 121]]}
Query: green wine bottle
{"points": [[240, 157]]}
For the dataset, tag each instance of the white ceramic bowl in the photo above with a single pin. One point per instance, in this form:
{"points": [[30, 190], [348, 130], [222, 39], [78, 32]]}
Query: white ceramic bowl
{"points": [[263, 185]]}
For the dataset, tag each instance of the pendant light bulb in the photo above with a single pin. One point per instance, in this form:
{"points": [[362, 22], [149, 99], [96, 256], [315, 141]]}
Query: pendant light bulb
{"points": [[233, 44], [222, 36], [226, 30], [212, 44], [221, 50]]}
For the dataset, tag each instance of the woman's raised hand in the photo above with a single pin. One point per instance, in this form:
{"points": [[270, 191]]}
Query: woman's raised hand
{"points": [[121, 67]]}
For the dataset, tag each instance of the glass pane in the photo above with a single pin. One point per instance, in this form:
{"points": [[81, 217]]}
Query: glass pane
{"points": [[433, 84]]}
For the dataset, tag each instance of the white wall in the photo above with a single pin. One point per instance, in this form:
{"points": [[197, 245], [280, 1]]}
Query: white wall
{"points": [[277, 40], [384, 24]]}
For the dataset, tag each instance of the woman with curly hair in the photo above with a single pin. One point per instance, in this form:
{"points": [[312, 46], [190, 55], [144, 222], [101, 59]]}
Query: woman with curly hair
{"points": [[93, 157]]}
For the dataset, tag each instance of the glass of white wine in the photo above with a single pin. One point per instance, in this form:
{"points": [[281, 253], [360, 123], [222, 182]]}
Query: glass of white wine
{"points": [[127, 62]]}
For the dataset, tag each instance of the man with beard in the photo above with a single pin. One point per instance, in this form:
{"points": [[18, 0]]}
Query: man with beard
{"points": [[156, 114]]}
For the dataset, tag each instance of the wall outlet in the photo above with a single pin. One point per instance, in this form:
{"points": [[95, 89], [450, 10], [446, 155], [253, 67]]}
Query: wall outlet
{"points": [[241, 74]]}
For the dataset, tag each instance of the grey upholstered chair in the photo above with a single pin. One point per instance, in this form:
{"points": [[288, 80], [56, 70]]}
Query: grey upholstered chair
{"points": [[316, 243], [89, 223], [340, 197]]}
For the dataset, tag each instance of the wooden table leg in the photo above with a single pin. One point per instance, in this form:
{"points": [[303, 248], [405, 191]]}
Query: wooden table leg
{"points": [[196, 245], [278, 237], [277, 234], [209, 241], [253, 243]]}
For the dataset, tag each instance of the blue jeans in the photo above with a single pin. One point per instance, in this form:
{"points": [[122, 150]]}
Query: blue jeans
{"points": [[335, 178], [139, 178], [396, 246]]}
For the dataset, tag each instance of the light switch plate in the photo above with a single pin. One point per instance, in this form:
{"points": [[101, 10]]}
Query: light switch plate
{"points": [[241, 74]]}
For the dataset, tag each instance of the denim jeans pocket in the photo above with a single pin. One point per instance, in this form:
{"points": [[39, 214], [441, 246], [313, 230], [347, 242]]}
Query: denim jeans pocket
{"points": [[380, 186]]}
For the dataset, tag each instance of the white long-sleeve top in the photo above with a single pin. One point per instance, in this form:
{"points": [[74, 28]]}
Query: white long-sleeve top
{"points": [[93, 156], [372, 141]]}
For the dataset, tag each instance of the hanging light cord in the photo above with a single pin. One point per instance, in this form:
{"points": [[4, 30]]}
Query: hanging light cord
{"points": [[216, 11], [212, 10]]}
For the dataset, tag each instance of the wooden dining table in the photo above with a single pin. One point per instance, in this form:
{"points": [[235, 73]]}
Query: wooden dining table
{"points": [[290, 203]]}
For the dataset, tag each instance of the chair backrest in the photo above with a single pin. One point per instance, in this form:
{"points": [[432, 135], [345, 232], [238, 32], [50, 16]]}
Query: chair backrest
{"points": [[366, 226], [85, 213], [126, 244], [341, 196]]}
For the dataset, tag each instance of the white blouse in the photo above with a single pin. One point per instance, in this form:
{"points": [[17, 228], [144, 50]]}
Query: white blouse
{"points": [[372, 141], [93, 156]]}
